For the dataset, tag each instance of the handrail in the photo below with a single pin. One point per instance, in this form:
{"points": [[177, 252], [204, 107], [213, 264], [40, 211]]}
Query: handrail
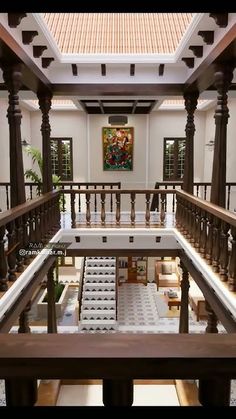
{"points": [[118, 356], [119, 191], [12, 214], [213, 209]]}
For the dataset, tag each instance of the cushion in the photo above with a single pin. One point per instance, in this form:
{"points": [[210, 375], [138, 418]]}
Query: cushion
{"points": [[166, 268]]}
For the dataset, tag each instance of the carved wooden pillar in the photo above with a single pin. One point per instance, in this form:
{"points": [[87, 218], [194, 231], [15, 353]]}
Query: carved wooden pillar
{"points": [[45, 106], [190, 106], [117, 393], [52, 321], [223, 78], [183, 320], [211, 320], [24, 320], [12, 75]]}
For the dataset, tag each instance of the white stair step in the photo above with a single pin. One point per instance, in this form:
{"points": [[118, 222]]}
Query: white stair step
{"points": [[102, 304], [109, 315], [96, 295], [100, 263], [104, 277], [91, 280], [100, 271], [99, 287], [100, 257], [98, 325]]}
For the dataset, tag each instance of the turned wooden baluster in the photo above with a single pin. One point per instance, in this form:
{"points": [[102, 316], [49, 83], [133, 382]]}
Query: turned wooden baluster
{"points": [[211, 319], [79, 202], [184, 317], [216, 245], [224, 251], [203, 234], [147, 213], [192, 225], [37, 224], [51, 315], [111, 203], [11, 257], [177, 214], [197, 228], [185, 218], [95, 199], [58, 213], [232, 262], [103, 212], [209, 242], [132, 214], [117, 208], [189, 221], [32, 226], [3, 261], [20, 247], [88, 214], [26, 237], [72, 208], [162, 215], [24, 319]]}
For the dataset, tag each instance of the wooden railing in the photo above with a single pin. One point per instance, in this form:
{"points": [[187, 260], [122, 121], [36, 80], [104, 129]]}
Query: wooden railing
{"points": [[208, 228], [32, 222], [201, 190], [118, 359], [32, 190]]}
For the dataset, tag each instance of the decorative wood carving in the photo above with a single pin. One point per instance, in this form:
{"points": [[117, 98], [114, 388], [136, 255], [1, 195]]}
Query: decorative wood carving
{"points": [[14, 19], [132, 69], [28, 36], [190, 106], [46, 61], [207, 36], [197, 50], [221, 19], [74, 69], [189, 61], [161, 69], [12, 75], [223, 77], [183, 320], [38, 50], [45, 106], [103, 69]]}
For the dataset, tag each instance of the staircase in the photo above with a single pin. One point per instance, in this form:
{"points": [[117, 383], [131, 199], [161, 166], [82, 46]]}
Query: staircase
{"points": [[98, 306]]}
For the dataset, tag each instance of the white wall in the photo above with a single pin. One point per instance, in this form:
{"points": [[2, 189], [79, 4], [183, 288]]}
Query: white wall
{"points": [[172, 124], [65, 124]]}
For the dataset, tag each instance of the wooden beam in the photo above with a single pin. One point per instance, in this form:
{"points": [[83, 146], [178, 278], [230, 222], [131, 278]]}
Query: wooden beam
{"points": [[197, 50], [82, 104], [28, 36], [221, 19], [189, 61], [74, 69], [32, 75], [154, 102], [46, 61], [204, 73], [161, 69], [14, 19], [207, 36], [101, 106], [129, 89], [103, 69], [134, 106], [132, 69], [38, 50]]}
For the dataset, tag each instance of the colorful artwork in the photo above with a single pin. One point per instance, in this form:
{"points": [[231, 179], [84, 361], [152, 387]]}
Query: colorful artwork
{"points": [[117, 148]]}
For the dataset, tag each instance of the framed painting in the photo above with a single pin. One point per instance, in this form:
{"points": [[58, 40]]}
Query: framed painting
{"points": [[117, 148]]}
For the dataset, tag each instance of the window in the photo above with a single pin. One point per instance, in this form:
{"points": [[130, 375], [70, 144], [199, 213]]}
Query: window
{"points": [[61, 156], [173, 165]]}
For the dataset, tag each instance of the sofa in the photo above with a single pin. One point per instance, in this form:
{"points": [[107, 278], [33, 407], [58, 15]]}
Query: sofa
{"points": [[166, 273], [197, 301]]}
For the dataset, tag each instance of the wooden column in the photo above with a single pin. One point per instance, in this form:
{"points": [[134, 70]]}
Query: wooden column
{"points": [[184, 318], [190, 106], [117, 393], [45, 106], [211, 320], [214, 392], [223, 77], [52, 320], [12, 76], [21, 392], [24, 320]]}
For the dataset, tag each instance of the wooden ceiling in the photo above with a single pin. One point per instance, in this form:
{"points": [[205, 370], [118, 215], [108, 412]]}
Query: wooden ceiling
{"points": [[118, 106]]}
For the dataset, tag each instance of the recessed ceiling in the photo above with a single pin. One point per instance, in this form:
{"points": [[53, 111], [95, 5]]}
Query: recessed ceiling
{"points": [[129, 106]]}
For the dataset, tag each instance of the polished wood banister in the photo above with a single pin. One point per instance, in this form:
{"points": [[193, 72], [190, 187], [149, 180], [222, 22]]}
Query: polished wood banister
{"points": [[120, 191], [19, 210], [118, 356], [213, 209]]}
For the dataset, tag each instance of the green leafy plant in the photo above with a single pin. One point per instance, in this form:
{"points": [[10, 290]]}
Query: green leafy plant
{"points": [[31, 174]]}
